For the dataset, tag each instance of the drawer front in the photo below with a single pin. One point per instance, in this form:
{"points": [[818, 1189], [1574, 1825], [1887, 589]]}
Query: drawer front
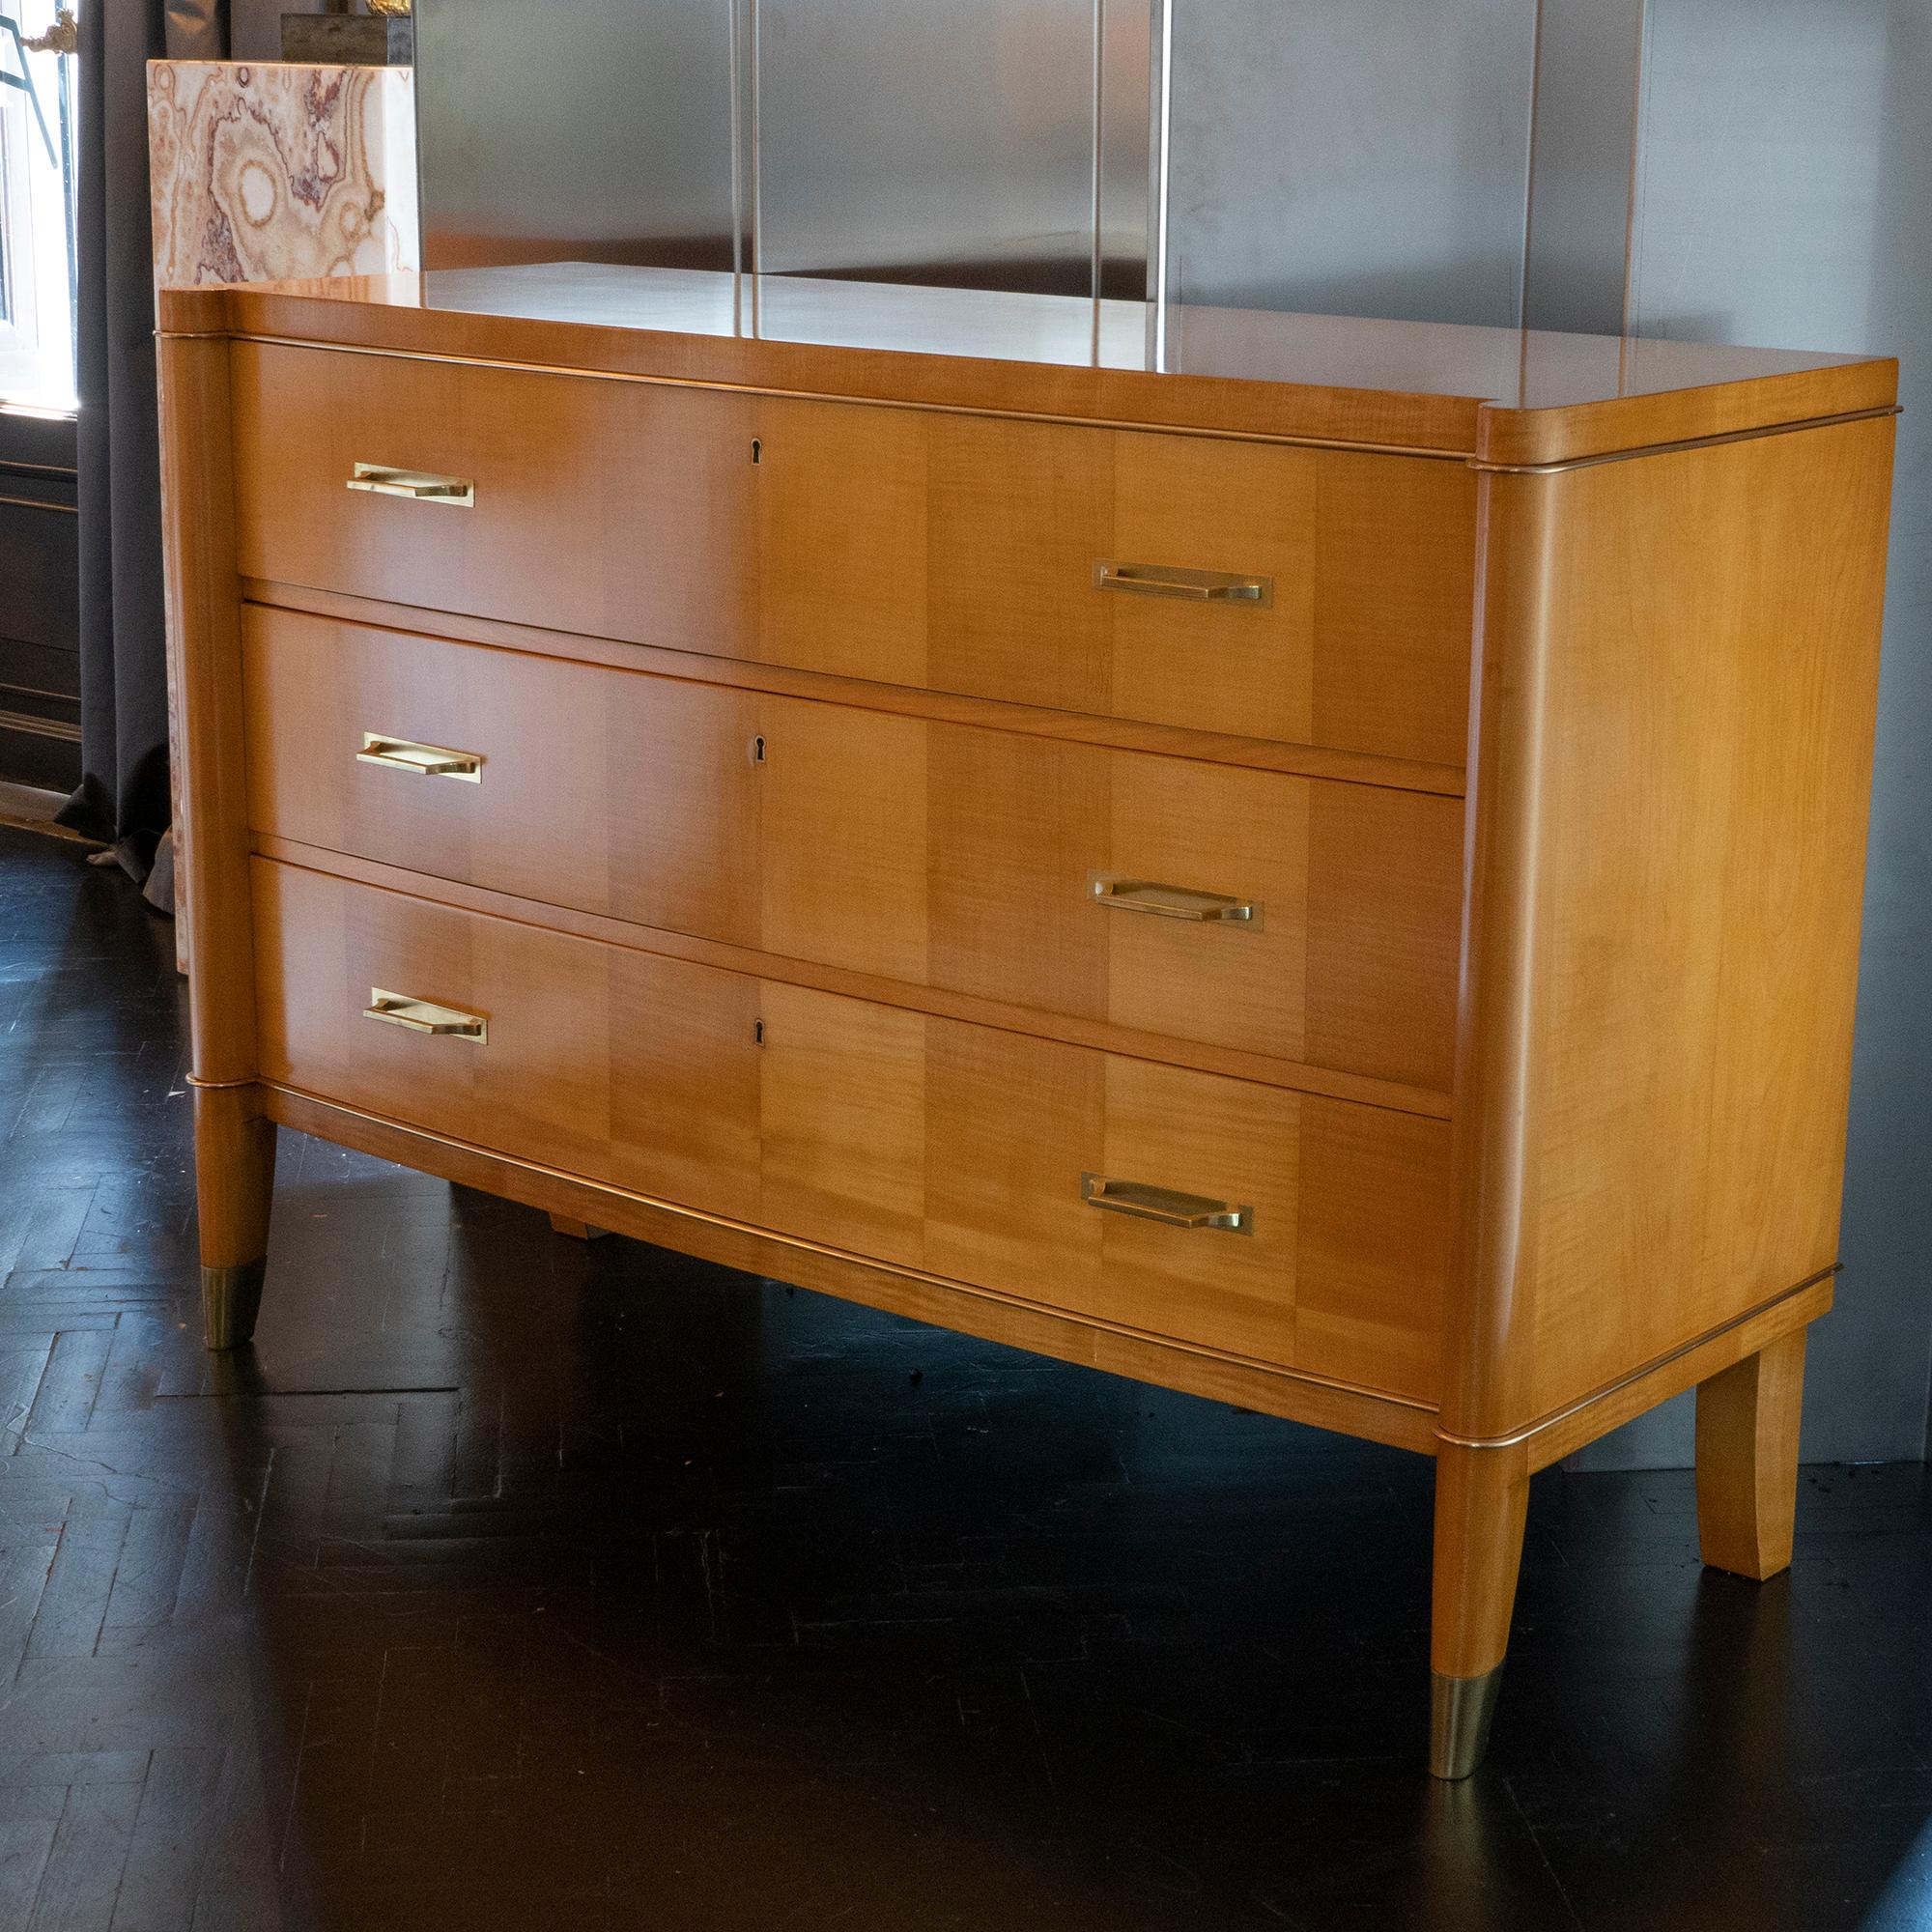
{"points": [[608, 791], [1303, 1232], [1307, 919], [615, 1065], [1308, 596]]}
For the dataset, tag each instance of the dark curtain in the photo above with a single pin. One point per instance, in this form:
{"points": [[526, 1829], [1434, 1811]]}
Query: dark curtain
{"points": [[124, 707]]}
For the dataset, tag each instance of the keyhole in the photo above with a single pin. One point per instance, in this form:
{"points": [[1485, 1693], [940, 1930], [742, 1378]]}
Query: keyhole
{"points": [[759, 1032], [757, 449], [758, 750]]}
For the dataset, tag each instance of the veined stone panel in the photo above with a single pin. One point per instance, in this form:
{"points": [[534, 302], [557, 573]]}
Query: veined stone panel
{"points": [[267, 172]]}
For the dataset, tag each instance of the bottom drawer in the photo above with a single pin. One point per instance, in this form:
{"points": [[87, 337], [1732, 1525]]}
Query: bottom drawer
{"points": [[1282, 1227]]}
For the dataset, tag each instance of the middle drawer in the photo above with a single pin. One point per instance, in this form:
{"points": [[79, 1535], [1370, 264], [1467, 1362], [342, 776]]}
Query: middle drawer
{"points": [[1309, 920]]}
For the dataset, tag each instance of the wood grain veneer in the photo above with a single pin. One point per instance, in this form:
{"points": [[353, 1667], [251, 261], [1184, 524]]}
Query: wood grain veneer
{"points": [[235, 1143], [933, 853], [1668, 847], [1747, 1460], [878, 1132], [1107, 1036], [804, 727], [1399, 1422], [926, 550], [1220, 748], [1504, 394]]}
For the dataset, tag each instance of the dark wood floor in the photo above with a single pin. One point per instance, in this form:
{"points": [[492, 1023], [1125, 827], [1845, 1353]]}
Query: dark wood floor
{"points": [[515, 1583]]}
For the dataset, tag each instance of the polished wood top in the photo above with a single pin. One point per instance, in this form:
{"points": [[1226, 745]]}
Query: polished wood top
{"points": [[1501, 395]]}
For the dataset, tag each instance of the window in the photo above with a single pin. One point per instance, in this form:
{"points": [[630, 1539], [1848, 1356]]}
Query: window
{"points": [[37, 208]]}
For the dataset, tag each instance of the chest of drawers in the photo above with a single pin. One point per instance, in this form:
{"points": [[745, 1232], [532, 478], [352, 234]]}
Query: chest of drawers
{"points": [[1319, 866]]}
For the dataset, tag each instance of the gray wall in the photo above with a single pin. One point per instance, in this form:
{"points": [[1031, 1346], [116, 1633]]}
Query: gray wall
{"points": [[1784, 197]]}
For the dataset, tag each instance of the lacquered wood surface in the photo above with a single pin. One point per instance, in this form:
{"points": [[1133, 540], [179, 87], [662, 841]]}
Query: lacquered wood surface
{"points": [[1740, 408], [610, 792], [918, 548], [1106, 1036], [1261, 754], [806, 717], [1678, 690], [931, 853], [235, 1145], [1747, 1461], [204, 643], [1635, 1394], [1515, 395], [235, 1170], [1395, 1421], [878, 1133], [1481, 1497]]}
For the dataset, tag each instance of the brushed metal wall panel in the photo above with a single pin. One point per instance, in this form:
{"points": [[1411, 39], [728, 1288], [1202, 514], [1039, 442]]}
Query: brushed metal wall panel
{"points": [[1127, 156], [575, 131], [1583, 165], [945, 140], [1351, 156], [1784, 197], [997, 143]]}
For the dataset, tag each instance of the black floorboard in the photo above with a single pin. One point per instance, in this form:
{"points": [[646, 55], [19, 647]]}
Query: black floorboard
{"points": [[511, 1582]]}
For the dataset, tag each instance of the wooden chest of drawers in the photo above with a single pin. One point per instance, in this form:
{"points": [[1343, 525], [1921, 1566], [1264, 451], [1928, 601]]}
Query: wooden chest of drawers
{"points": [[1328, 875]]}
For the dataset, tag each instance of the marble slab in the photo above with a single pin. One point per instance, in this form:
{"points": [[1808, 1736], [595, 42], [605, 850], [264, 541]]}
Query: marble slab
{"points": [[264, 171], [270, 171]]}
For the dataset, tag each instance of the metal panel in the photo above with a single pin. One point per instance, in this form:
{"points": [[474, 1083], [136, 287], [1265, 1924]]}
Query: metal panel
{"points": [[1785, 198], [575, 131], [1581, 164], [1126, 160], [929, 139], [1351, 156], [997, 143]]}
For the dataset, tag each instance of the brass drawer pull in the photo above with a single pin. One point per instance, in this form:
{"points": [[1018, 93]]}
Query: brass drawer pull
{"points": [[1165, 1205], [417, 485], [426, 761], [1175, 901], [1195, 586], [425, 1017]]}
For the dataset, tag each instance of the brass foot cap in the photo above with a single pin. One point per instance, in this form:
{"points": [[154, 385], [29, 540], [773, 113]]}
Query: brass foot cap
{"points": [[231, 1298], [1460, 1711]]}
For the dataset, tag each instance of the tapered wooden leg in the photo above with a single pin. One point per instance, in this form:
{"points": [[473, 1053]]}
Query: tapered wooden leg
{"points": [[1480, 1495], [1747, 1460], [235, 1186], [578, 1230]]}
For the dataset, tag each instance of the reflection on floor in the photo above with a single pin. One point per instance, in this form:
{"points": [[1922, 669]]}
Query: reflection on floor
{"points": [[516, 1582]]}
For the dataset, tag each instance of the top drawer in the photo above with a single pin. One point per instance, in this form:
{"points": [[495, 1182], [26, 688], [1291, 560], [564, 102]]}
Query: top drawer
{"points": [[1316, 597]]}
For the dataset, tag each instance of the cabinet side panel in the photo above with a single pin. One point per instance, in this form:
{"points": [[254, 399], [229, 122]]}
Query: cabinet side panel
{"points": [[204, 645], [1690, 655]]}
